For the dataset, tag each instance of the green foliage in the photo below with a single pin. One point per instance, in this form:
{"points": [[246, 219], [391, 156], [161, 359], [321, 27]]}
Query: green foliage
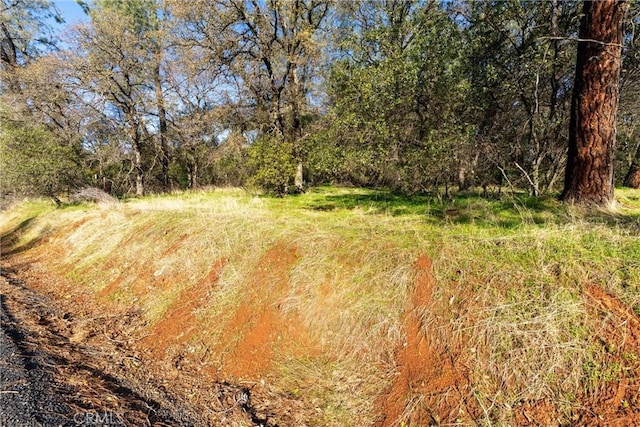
{"points": [[328, 162], [398, 92], [521, 65], [34, 161], [273, 164], [416, 96]]}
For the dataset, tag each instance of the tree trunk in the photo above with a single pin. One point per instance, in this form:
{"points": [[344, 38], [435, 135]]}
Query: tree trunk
{"points": [[9, 58], [535, 175], [632, 179], [192, 170], [298, 180], [8, 50], [134, 134], [162, 121], [463, 182], [296, 133], [139, 173], [592, 129]]}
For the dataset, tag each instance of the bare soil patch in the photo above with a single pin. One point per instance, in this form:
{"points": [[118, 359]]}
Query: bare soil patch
{"points": [[180, 319], [541, 412], [260, 328], [431, 384], [617, 401], [93, 349], [86, 381]]}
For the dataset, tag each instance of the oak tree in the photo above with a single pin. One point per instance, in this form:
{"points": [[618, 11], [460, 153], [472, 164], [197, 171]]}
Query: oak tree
{"points": [[270, 49]]}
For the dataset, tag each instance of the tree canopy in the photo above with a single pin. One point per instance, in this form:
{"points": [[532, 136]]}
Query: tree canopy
{"points": [[414, 95]]}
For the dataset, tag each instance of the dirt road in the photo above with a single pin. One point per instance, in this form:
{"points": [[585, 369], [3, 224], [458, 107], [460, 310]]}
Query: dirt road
{"points": [[29, 396]]}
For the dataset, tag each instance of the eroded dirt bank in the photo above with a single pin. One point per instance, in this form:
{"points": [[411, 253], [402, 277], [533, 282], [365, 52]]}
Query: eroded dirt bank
{"points": [[110, 319], [65, 365]]}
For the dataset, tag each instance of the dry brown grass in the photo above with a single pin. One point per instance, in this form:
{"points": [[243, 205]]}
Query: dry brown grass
{"points": [[507, 301]]}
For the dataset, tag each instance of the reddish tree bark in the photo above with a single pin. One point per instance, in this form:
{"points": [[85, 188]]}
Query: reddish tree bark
{"points": [[592, 130], [632, 179]]}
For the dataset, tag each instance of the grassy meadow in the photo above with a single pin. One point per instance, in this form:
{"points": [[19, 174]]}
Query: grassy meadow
{"points": [[316, 295]]}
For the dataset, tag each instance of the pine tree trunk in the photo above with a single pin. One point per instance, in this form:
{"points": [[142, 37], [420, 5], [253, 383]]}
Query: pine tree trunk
{"points": [[592, 129], [632, 179]]}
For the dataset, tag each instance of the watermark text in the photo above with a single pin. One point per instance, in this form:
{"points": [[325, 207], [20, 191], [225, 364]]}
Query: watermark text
{"points": [[93, 418]]}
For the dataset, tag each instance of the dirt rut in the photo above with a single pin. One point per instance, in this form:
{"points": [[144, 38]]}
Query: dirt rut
{"points": [[431, 382]]}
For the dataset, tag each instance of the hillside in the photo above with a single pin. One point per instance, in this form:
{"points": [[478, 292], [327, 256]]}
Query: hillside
{"points": [[353, 307]]}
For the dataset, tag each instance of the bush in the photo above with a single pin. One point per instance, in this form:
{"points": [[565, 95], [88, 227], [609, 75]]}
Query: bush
{"points": [[34, 161], [273, 164]]}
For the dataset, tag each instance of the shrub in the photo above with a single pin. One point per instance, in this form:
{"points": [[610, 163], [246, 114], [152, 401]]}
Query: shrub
{"points": [[272, 163], [34, 161]]}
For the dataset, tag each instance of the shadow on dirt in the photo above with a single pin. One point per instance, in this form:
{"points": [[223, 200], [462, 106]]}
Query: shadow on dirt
{"points": [[29, 393], [65, 385]]}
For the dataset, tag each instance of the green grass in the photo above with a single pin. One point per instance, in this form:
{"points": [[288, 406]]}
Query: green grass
{"points": [[509, 270]]}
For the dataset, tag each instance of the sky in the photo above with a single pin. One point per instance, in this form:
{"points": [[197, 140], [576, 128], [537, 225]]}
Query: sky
{"points": [[70, 11]]}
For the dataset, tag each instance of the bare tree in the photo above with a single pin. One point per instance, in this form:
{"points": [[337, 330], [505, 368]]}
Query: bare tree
{"points": [[116, 68], [270, 49]]}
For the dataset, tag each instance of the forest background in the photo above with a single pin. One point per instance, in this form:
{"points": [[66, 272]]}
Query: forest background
{"points": [[149, 96]]}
